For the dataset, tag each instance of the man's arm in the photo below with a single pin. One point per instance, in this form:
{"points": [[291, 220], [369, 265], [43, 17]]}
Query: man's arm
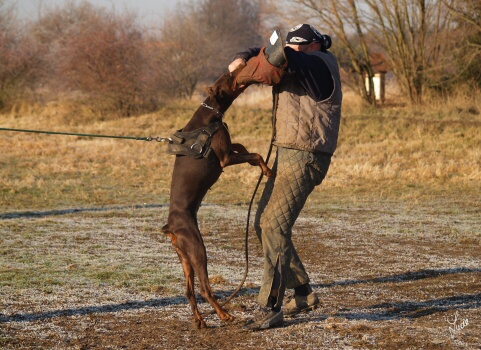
{"points": [[312, 73], [250, 52], [242, 57]]}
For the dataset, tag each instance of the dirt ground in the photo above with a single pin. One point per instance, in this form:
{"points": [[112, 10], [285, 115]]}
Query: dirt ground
{"points": [[391, 275]]}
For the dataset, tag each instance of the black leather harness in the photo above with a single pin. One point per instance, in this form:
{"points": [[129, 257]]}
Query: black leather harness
{"points": [[195, 143]]}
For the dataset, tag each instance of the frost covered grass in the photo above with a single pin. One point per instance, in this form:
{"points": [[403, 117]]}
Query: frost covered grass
{"points": [[389, 274]]}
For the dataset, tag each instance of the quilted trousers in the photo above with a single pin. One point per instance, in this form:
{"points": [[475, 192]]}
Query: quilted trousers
{"points": [[297, 174]]}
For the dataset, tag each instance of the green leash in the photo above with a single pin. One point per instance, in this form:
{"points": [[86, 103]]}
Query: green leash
{"points": [[158, 139]]}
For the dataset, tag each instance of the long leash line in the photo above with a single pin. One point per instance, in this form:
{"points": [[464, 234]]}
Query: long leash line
{"points": [[149, 138], [246, 242]]}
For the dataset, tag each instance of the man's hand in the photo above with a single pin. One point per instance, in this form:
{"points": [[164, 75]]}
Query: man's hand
{"points": [[236, 63]]}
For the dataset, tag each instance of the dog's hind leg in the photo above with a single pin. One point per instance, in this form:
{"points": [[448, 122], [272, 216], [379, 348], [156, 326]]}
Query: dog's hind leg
{"points": [[189, 282], [193, 249], [206, 291]]}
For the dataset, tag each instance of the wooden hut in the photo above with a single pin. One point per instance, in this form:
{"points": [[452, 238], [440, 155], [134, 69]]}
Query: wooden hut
{"points": [[380, 68]]}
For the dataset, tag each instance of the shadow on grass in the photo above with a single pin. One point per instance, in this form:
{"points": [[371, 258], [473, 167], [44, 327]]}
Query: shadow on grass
{"points": [[392, 311], [58, 212], [413, 309], [88, 310], [382, 311], [404, 309], [408, 276], [46, 213]]}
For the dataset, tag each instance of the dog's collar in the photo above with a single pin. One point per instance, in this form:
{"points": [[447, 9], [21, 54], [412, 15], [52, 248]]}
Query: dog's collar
{"points": [[203, 104]]}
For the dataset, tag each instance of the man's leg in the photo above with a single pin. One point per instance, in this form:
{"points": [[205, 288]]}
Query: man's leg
{"points": [[304, 297], [281, 203]]}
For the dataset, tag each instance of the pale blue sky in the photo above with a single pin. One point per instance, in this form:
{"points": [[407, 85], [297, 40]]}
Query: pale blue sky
{"points": [[146, 9]]}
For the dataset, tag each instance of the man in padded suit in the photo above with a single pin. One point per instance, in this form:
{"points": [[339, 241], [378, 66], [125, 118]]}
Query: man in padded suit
{"points": [[307, 107]]}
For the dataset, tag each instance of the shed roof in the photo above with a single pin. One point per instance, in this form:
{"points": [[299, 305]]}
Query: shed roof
{"points": [[378, 62]]}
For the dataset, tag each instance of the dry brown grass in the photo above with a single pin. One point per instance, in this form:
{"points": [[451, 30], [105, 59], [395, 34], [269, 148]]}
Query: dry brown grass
{"points": [[389, 151]]}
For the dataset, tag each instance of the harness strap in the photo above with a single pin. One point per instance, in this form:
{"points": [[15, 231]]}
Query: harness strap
{"points": [[195, 143]]}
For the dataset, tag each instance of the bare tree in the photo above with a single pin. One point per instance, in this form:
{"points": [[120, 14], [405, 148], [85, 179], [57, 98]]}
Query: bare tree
{"points": [[100, 54], [19, 59], [415, 35], [7, 51], [107, 61], [227, 27], [179, 55], [104, 57], [346, 24], [467, 13], [197, 42]]}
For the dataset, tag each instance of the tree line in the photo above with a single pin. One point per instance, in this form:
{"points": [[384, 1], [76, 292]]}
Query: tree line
{"points": [[112, 63], [431, 46]]}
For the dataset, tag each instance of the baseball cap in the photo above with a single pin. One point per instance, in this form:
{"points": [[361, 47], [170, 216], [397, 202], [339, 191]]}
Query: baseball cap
{"points": [[303, 34]]}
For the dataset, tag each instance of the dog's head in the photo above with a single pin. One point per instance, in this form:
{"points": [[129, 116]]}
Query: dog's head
{"points": [[224, 90]]}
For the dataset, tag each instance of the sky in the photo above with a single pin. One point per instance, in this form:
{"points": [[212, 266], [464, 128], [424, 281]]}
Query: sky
{"points": [[146, 9]]}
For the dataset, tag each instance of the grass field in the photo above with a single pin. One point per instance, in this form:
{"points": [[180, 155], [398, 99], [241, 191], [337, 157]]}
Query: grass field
{"points": [[391, 238]]}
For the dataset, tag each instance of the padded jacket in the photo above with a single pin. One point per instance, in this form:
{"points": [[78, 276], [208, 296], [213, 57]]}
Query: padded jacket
{"points": [[302, 122]]}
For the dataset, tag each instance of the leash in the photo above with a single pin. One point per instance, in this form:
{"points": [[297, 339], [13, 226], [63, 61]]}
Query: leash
{"points": [[246, 241], [149, 138], [168, 139], [164, 139]]}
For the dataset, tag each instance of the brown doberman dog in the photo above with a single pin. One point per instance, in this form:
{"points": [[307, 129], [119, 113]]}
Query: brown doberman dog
{"points": [[194, 175]]}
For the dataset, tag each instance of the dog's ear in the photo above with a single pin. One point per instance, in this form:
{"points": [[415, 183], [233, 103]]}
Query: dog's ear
{"points": [[213, 90], [209, 90]]}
